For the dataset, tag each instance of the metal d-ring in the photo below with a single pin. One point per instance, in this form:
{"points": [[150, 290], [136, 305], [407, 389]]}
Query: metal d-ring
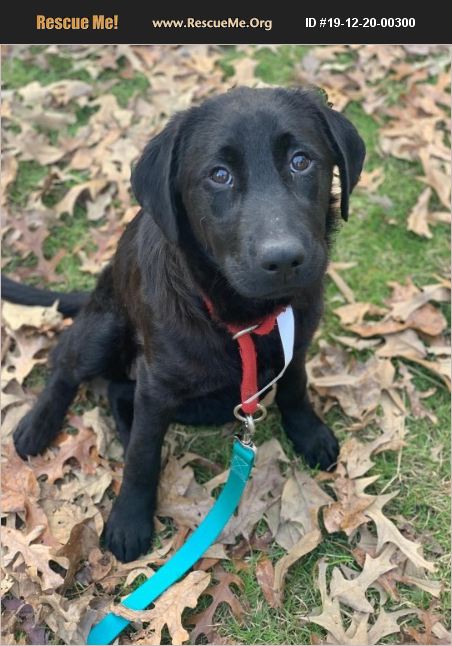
{"points": [[250, 419], [246, 330]]}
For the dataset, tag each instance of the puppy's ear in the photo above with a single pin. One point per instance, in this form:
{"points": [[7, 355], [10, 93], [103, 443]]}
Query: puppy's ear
{"points": [[349, 149], [153, 179]]}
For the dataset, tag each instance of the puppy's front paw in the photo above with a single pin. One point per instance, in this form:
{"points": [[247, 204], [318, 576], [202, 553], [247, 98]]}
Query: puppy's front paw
{"points": [[129, 529], [319, 448], [29, 438]]}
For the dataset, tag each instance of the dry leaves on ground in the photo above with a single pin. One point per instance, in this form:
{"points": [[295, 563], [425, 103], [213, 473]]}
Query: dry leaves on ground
{"points": [[57, 580], [60, 500], [413, 328]]}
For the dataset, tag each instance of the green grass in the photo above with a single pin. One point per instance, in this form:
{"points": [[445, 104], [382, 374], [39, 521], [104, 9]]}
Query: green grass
{"points": [[30, 176], [264, 625], [376, 238], [278, 67], [17, 72], [125, 89], [229, 55], [72, 231], [275, 67], [82, 116]]}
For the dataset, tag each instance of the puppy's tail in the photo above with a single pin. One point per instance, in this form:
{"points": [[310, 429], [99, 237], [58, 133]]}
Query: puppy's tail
{"points": [[68, 304]]}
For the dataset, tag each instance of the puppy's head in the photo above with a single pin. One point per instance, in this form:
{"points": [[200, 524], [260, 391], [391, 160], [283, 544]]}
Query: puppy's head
{"points": [[246, 179]]}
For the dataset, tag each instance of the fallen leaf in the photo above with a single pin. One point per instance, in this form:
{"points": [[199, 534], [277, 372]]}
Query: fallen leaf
{"points": [[244, 72], [70, 619], [429, 635], [301, 500], [306, 544], [356, 344], [402, 344], [427, 319], [387, 624], [19, 616], [440, 367], [36, 517], [76, 447], [22, 360], [401, 309], [352, 591], [33, 146], [330, 618], [221, 593], [67, 203], [359, 631], [437, 175], [13, 416], [357, 386], [82, 540], [107, 441], [387, 532], [432, 587], [167, 610], [356, 455], [35, 556], [19, 483], [371, 180], [340, 283], [97, 208], [355, 312], [418, 218], [186, 508], [31, 241], [377, 328], [92, 484], [9, 170], [265, 575], [101, 564], [17, 316], [61, 91], [63, 515], [347, 514]]}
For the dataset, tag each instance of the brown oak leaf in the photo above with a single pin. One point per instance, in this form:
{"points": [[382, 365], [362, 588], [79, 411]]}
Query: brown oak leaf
{"points": [[221, 592], [19, 483], [78, 447], [35, 556], [167, 610]]}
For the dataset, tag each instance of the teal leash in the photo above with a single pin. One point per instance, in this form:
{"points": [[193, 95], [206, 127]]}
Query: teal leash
{"points": [[205, 535]]}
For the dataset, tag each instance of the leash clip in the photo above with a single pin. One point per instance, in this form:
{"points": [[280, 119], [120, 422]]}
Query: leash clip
{"points": [[249, 424]]}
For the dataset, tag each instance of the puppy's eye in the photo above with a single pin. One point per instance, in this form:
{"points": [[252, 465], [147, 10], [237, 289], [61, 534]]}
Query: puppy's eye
{"points": [[221, 175], [299, 163]]}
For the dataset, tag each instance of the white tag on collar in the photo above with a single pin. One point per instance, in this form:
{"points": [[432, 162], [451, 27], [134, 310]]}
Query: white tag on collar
{"points": [[286, 328]]}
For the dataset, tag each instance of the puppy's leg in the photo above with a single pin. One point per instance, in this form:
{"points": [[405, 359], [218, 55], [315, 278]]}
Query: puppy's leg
{"points": [[310, 436], [129, 529], [120, 396], [83, 351]]}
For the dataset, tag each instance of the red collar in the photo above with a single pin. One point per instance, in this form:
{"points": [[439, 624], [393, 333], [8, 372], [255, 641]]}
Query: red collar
{"points": [[242, 335]]}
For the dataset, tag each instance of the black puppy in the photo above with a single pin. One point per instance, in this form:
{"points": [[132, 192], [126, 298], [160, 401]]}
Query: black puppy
{"points": [[236, 208]]}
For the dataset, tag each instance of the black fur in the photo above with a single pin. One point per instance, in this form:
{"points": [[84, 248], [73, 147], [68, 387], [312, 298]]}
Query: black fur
{"points": [[250, 245], [68, 304]]}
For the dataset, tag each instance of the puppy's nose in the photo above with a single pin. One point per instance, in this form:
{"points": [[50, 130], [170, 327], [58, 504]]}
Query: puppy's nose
{"points": [[281, 257]]}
